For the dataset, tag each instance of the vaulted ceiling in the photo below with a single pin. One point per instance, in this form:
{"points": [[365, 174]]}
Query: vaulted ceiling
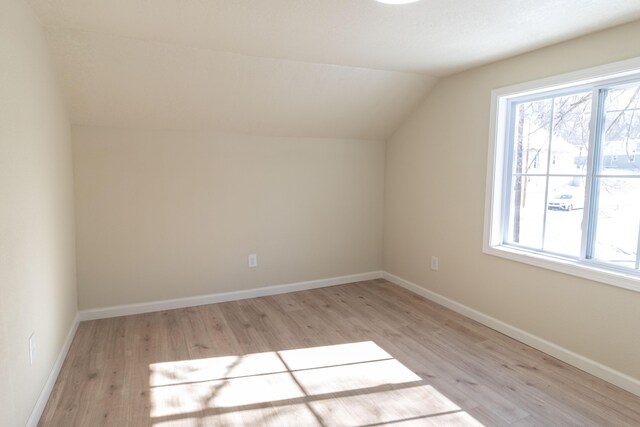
{"points": [[317, 68]]}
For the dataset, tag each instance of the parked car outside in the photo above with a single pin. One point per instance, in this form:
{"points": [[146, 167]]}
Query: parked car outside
{"points": [[566, 202]]}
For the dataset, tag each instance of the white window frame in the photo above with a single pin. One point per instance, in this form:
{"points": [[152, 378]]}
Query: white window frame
{"points": [[495, 210]]}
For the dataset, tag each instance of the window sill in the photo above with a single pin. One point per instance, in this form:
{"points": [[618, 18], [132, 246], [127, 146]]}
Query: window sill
{"points": [[567, 266]]}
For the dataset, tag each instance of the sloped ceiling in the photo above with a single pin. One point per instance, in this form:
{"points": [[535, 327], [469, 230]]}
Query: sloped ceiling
{"points": [[318, 68]]}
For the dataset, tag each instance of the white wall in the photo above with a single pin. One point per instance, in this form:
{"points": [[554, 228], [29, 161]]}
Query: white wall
{"points": [[37, 259], [434, 205], [168, 214]]}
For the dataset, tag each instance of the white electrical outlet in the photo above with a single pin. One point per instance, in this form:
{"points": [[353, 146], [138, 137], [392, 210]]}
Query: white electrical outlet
{"points": [[253, 261], [32, 348], [434, 263]]}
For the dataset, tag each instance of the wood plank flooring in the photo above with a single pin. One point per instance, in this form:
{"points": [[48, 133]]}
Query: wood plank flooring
{"points": [[363, 354]]}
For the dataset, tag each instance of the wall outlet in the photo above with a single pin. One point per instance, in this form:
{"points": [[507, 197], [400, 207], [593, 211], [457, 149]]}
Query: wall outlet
{"points": [[32, 348], [253, 261], [434, 263]]}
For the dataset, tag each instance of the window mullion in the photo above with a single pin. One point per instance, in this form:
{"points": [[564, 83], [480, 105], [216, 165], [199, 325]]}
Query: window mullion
{"points": [[590, 216], [638, 250], [594, 243], [546, 189], [508, 168]]}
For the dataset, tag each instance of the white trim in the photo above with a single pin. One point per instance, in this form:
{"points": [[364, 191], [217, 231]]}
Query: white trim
{"points": [[147, 307], [494, 195], [124, 310], [599, 370], [495, 159], [617, 378], [36, 413], [583, 269]]}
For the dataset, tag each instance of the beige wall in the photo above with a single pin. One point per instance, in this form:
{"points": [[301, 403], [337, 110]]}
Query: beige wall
{"points": [[435, 199], [168, 214], [37, 260]]}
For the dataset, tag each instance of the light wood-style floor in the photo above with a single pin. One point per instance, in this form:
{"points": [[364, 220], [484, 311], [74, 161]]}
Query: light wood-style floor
{"points": [[363, 354]]}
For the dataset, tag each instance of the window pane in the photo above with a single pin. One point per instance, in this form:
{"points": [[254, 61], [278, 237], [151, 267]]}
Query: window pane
{"points": [[618, 221], [527, 211], [563, 228], [570, 144], [531, 136], [621, 139], [550, 154]]}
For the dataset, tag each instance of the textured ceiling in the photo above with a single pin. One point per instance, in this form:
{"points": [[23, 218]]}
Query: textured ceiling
{"points": [[326, 68]]}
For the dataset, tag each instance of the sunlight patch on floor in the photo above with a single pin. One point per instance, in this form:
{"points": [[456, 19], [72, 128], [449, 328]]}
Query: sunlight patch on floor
{"points": [[354, 377], [214, 368], [347, 384], [412, 403], [296, 415], [333, 355], [235, 392]]}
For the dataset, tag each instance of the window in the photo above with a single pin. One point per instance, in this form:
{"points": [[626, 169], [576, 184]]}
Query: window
{"points": [[563, 183]]}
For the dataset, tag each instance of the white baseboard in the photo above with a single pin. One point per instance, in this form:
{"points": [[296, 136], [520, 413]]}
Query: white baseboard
{"points": [[36, 413], [148, 307], [124, 310], [599, 370]]}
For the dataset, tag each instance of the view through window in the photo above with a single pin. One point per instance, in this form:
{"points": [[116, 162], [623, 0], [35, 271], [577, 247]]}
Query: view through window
{"points": [[570, 178]]}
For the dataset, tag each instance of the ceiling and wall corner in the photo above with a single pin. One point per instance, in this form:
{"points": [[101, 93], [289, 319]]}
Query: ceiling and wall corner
{"points": [[120, 82], [324, 69]]}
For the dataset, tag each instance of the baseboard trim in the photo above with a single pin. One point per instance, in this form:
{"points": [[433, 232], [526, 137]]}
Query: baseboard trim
{"points": [[38, 409], [148, 307], [125, 310], [599, 370]]}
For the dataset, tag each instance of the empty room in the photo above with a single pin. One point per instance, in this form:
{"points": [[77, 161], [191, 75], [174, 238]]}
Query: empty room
{"points": [[319, 213]]}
